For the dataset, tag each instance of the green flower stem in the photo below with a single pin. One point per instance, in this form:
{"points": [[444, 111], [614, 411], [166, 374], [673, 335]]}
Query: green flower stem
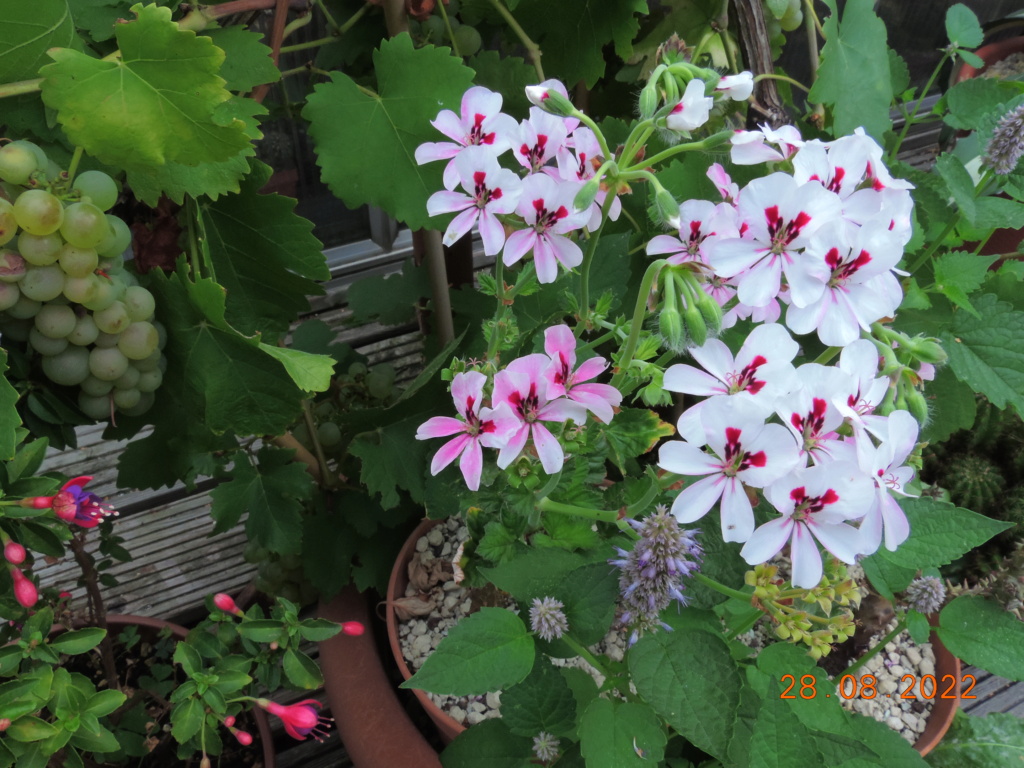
{"points": [[531, 47], [790, 80], [825, 357], [598, 341], [295, 25], [601, 515], [638, 138], [329, 17], [588, 121], [586, 655], [522, 280], [638, 321], [711, 142], [18, 88], [307, 45], [73, 167], [746, 626], [448, 26], [499, 277], [859, 664], [924, 92], [550, 485], [588, 258], [707, 581]]}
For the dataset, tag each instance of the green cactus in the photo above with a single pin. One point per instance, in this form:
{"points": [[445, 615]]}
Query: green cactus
{"points": [[988, 428], [1005, 584], [974, 482]]}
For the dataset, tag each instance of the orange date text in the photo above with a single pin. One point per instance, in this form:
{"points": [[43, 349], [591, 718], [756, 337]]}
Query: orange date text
{"points": [[866, 687]]}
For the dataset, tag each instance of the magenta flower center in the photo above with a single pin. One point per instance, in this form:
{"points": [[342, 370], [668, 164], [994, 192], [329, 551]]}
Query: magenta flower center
{"points": [[476, 133], [736, 459], [808, 505], [783, 232], [545, 218]]}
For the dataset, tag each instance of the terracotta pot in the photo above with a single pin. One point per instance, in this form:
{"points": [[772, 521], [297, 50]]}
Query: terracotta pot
{"points": [[990, 54], [118, 622], [447, 726], [943, 710], [373, 725]]}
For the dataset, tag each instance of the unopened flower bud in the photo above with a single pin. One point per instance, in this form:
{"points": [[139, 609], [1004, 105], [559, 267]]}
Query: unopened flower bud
{"points": [[649, 100], [352, 628], [245, 739], [585, 197], [667, 208], [274, 645], [550, 100], [927, 350], [672, 330], [5, 723], [229, 721], [25, 591], [918, 406], [696, 327], [205, 762], [226, 603], [14, 553]]}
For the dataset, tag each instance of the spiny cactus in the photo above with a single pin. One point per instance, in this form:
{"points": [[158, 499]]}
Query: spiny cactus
{"points": [[974, 482], [1005, 584]]}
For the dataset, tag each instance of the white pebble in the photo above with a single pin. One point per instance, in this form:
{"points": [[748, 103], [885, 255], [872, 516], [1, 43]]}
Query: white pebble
{"points": [[467, 605], [895, 723], [422, 544], [897, 671], [913, 656], [435, 537], [475, 717], [450, 601], [494, 699], [421, 644], [446, 549], [927, 667], [458, 714], [419, 628], [887, 686], [477, 706]]}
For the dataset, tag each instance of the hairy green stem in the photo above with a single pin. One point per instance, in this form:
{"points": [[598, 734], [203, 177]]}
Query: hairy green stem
{"points": [[711, 142], [588, 258], [532, 49], [448, 26], [308, 44], [707, 581], [295, 25], [636, 325], [600, 515], [496, 336], [636, 139], [859, 664], [588, 121], [924, 92]]}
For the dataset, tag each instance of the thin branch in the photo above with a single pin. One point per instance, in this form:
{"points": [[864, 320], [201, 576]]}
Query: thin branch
{"points": [[531, 47]]}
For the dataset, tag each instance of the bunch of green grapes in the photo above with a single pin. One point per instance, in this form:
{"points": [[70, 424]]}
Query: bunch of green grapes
{"points": [[791, 17], [64, 290], [433, 30]]}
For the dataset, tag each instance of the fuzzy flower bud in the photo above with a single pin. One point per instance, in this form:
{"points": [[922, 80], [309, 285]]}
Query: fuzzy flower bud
{"points": [[547, 618], [226, 604], [667, 208], [25, 591], [352, 628], [652, 573], [926, 594], [1007, 143], [588, 192], [545, 747], [550, 100], [14, 553]]}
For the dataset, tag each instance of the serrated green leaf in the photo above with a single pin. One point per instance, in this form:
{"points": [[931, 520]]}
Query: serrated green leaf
{"points": [[186, 719], [9, 421], [311, 373], [918, 626], [691, 680], [960, 273], [350, 125], [996, 212], [382, 472], [899, 72], [97, 17], [967, 103], [489, 744], [589, 594], [391, 299], [487, 651], [566, 532], [886, 576], [542, 702], [993, 741], [988, 353], [247, 62], [264, 255], [633, 432], [940, 533], [28, 31], [817, 713], [970, 58], [271, 492], [855, 43], [779, 739], [959, 183], [301, 670], [534, 573], [614, 735], [78, 640], [159, 96], [962, 27], [980, 632]]}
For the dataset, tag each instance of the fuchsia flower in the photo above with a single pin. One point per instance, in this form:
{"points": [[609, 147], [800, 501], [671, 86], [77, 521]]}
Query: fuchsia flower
{"points": [[300, 720], [693, 109], [14, 553], [479, 426], [73, 504], [226, 603], [547, 208], [599, 399], [25, 591]]}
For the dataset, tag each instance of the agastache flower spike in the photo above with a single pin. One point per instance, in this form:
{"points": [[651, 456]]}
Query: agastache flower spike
{"points": [[73, 504], [1007, 145], [545, 747], [300, 720], [926, 594], [547, 618]]}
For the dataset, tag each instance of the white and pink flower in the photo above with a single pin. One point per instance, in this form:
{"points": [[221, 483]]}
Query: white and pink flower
{"points": [[885, 465], [547, 208], [693, 109], [600, 399]]}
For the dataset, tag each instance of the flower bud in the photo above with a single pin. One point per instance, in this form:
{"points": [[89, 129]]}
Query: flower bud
{"points": [[14, 553], [927, 350], [245, 739], [25, 591], [352, 628], [229, 721], [918, 406], [550, 100], [667, 208], [672, 330], [5, 723], [205, 762], [226, 603], [648, 100], [696, 328], [585, 197]]}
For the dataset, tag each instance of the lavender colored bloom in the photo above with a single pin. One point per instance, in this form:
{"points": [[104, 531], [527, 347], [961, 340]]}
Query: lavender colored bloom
{"points": [[652, 573], [545, 747], [547, 618], [1007, 143], [926, 594]]}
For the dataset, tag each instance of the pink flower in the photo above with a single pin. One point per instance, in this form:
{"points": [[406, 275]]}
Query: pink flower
{"points": [[699, 221], [300, 720], [352, 628], [479, 426], [226, 604], [492, 190], [73, 504], [579, 163], [885, 465], [538, 139], [25, 591], [523, 388], [693, 109], [811, 415], [815, 503], [751, 147], [547, 208], [14, 553], [599, 399]]}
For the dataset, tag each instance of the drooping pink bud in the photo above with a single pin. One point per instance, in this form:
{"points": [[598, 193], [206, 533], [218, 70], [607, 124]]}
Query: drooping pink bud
{"points": [[229, 721], [5, 723], [226, 604], [244, 738], [25, 591], [14, 553], [352, 628]]}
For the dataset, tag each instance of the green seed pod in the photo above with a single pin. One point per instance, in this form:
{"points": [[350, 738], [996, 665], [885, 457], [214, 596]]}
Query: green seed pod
{"points": [[696, 328]]}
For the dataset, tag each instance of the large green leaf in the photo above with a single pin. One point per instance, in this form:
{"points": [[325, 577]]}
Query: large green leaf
{"points": [[391, 459], [264, 255], [489, 744], [856, 43], [247, 62], [981, 633], [987, 353], [779, 739], [365, 141], [615, 735], [27, 32], [962, 27], [952, 406], [542, 702], [9, 419], [486, 651], [633, 432], [691, 680], [993, 741], [158, 99]]}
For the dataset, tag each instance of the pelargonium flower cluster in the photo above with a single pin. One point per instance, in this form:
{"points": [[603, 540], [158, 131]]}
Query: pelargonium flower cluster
{"points": [[810, 438], [823, 240], [528, 393]]}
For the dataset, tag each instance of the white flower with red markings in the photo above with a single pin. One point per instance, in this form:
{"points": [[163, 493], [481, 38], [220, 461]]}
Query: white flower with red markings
{"points": [[765, 145], [885, 465], [693, 109], [538, 139], [737, 87], [547, 208], [701, 222], [599, 399]]}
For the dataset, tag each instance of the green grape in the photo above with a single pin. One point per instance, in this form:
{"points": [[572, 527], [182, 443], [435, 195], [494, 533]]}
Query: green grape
{"points": [[38, 212], [41, 250], [328, 434], [150, 381], [127, 278], [97, 408], [44, 345], [12, 266], [105, 295], [107, 364], [17, 162], [150, 363], [78, 262], [467, 39], [162, 342], [433, 29], [118, 240], [111, 265], [129, 379], [85, 331], [17, 330], [9, 295], [138, 341], [55, 321], [378, 385], [98, 187], [24, 309], [254, 552], [69, 367], [126, 398], [114, 319], [8, 224], [793, 17], [144, 404], [139, 302], [96, 387], [42, 283], [81, 290], [107, 340], [356, 369], [84, 225]]}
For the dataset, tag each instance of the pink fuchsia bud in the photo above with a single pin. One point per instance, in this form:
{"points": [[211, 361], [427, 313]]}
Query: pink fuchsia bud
{"points": [[352, 628], [229, 721], [244, 738], [226, 604], [5, 723], [25, 591], [14, 553]]}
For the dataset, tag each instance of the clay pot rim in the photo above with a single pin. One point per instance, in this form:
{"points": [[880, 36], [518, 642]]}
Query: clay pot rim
{"points": [[990, 54]]}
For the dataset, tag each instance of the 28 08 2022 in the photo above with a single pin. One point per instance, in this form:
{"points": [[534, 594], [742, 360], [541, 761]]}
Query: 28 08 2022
{"points": [[864, 687]]}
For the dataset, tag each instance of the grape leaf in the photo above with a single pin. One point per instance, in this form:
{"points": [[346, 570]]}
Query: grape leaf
{"points": [[987, 353], [855, 43], [97, 17], [247, 62], [993, 741], [365, 142], [159, 97], [507, 75], [27, 32], [10, 423], [392, 458], [271, 492], [263, 254], [309, 372], [389, 299]]}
